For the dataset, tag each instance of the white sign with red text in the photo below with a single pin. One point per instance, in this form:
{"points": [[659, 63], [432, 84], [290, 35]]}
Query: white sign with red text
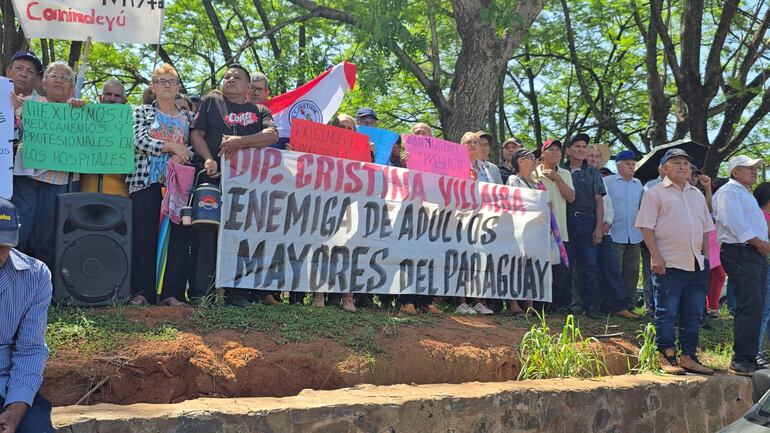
{"points": [[117, 21], [296, 221]]}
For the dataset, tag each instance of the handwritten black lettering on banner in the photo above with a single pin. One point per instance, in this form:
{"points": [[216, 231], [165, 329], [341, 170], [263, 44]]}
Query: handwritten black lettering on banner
{"points": [[96, 138], [303, 222]]}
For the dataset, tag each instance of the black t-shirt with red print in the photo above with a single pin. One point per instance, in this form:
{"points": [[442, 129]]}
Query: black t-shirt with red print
{"points": [[218, 116]]}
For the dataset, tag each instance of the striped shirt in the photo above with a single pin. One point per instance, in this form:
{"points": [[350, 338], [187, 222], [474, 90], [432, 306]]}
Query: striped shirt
{"points": [[25, 294]]}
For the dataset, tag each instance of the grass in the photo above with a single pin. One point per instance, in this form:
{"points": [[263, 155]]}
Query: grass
{"points": [[90, 332], [648, 359], [717, 344], [545, 356], [300, 323]]}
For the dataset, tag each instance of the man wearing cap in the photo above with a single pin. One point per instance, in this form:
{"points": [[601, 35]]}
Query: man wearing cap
{"points": [[506, 168], [584, 222], [675, 222], [485, 142], [25, 70], [25, 294], [366, 117], [742, 230], [558, 183], [626, 194]]}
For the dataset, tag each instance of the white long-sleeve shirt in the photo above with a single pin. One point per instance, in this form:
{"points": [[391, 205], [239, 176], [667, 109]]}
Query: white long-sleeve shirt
{"points": [[738, 216]]}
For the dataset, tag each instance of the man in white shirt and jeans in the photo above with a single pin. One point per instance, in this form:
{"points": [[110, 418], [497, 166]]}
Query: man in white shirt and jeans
{"points": [[742, 230]]}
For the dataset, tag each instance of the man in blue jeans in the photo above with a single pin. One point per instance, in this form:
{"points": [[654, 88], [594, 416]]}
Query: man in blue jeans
{"points": [[25, 294], [584, 222], [675, 220]]}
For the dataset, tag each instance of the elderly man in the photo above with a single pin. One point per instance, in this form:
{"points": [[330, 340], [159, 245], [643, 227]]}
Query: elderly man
{"points": [[25, 69], [584, 222], [675, 223], [36, 190], [259, 88], [367, 117], [113, 92], [742, 230], [625, 192], [558, 183], [25, 293], [485, 143], [214, 136]]}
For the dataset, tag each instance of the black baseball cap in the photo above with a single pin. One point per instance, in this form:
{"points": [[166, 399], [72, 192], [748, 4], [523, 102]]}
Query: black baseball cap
{"points": [[30, 56], [581, 136], [9, 224]]}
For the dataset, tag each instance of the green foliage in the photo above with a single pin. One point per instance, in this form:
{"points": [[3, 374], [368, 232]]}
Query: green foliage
{"points": [[92, 331], [546, 356], [648, 359]]}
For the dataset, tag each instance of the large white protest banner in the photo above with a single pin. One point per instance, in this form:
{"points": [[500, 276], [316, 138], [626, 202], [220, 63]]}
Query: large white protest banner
{"points": [[118, 21], [6, 138], [303, 222]]}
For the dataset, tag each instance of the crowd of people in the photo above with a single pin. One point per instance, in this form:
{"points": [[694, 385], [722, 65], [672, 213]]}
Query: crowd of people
{"points": [[686, 237]]}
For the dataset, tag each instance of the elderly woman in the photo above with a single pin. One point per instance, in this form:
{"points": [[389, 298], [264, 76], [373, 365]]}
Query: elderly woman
{"points": [[523, 176], [162, 133], [472, 141], [35, 190]]}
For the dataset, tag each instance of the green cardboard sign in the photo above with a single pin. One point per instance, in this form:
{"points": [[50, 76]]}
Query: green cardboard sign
{"points": [[95, 138]]}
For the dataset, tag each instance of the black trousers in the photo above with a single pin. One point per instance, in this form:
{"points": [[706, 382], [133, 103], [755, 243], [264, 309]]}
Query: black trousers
{"points": [[747, 270], [561, 295], [145, 219], [204, 275]]}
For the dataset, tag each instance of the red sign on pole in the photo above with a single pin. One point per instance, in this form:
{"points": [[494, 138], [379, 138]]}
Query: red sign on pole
{"points": [[320, 139]]}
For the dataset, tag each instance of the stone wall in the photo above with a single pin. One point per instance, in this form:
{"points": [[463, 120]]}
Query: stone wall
{"points": [[623, 404]]}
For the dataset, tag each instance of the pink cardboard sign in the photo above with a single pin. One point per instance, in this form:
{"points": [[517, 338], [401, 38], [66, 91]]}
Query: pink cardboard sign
{"points": [[320, 139], [435, 155]]}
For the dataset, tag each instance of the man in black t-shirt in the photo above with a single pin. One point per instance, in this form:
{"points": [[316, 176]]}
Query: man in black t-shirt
{"points": [[224, 124]]}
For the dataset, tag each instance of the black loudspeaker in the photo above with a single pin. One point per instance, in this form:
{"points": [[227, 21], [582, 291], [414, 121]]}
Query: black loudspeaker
{"points": [[93, 249]]}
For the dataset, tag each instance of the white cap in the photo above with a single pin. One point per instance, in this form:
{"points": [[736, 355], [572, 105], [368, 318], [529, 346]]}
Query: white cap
{"points": [[742, 161]]}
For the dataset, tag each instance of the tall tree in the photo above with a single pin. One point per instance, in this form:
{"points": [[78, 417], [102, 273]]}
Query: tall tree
{"points": [[488, 32]]}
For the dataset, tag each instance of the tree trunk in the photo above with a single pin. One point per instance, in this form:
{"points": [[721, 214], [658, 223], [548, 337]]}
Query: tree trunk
{"points": [[12, 36], [74, 55]]}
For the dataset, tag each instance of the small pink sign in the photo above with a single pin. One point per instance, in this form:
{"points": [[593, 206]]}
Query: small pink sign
{"points": [[435, 155]]}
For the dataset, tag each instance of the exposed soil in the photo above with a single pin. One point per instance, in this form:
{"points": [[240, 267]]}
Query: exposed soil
{"points": [[231, 363]]}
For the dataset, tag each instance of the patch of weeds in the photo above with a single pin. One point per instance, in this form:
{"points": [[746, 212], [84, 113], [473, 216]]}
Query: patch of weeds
{"points": [[648, 359], [90, 331], [716, 344], [300, 323], [546, 356]]}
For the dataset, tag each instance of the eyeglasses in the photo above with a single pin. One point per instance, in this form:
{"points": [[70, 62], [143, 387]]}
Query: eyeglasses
{"points": [[258, 89], [163, 81], [60, 77]]}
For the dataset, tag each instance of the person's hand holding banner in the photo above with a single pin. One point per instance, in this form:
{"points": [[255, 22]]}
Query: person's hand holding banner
{"points": [[230, 145]]}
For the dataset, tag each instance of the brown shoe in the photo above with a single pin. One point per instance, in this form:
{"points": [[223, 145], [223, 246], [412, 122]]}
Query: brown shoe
{"points": [[318, 300], [691, 364], [348, 304], [626, 315], [430, 309], [270, 300], [668, 362], [407, 309]]}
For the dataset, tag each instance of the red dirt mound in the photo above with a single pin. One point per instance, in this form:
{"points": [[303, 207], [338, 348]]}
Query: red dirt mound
{"points": [[231, 363]]}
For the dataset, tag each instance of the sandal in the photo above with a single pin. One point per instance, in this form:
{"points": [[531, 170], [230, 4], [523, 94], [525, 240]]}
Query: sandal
{"points": [[139, 300], [172, 302], [318, 300], [348, 304]]}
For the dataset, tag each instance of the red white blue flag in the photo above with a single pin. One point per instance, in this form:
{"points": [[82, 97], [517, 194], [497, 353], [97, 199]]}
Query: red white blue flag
{"points": [[317, 100]]}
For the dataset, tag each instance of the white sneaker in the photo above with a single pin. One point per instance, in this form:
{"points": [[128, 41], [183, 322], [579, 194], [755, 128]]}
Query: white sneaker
{"points": [[482, 309], [465, 309]]}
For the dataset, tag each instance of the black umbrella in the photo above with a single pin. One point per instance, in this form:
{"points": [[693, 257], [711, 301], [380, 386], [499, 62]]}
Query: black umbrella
{"points": [[647, 167]]}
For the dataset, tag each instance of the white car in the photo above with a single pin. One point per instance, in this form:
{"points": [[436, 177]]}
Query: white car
{"points": [[757, 419]]}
